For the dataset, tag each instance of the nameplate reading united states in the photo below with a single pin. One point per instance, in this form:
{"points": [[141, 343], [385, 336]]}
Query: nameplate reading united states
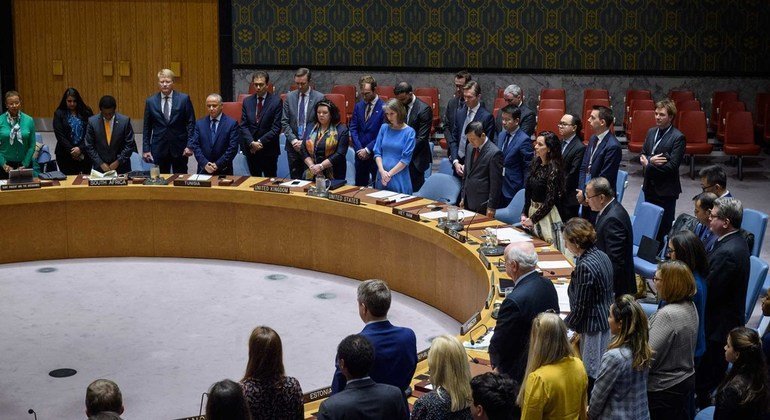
{"points": [[107, 182], [407, 214], [21, 186], [272, 189], [344, 199], [456, 235]]}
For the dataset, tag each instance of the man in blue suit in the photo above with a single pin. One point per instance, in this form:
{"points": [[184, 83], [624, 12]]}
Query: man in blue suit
{"points": [[169, 120], [473, 110], [261, 127], [215, 139], [364, 126], [395, 348], [517, 152], [602, 156]]}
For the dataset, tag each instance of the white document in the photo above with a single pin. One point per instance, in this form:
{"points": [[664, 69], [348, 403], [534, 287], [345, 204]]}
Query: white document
{"points": [[297, 183], [561, 292], [512, 235], [436, 214], [97, 175], [400, 197], [199, 177], [382, 194], [551, 265]]}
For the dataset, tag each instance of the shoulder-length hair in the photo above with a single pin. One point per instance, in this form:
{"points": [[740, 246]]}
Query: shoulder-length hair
{"points": [[750, 365], [677, 282], [396, 106], [334, 112], [83, 110], [448, 364], [634, 331], [265, 354], [690, 250], [548, 343]]}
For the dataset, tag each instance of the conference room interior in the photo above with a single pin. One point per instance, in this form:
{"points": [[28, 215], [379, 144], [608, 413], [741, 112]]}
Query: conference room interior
{"points": [[167, 313]]}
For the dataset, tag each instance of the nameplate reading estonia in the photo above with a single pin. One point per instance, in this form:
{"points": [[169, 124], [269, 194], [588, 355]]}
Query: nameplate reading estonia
{"points": [[456, 235], [469, 324], [272, 188], [317, 395], [22, 186], [344, 199], [191, 183], [111, 182], [408, 214]]}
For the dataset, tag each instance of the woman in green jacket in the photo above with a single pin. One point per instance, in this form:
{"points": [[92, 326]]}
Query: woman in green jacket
{"points": [[17, 136]]}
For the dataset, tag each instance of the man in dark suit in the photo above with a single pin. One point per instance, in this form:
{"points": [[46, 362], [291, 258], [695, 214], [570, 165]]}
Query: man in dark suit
{"points": [[457, 101], [297, 112], [483, 169], [614, 234], [364, 127], [514, 96], [703, 203], [395, 357], [169, 120], [261, 128], [110, 138], [517, 150], [472, 111], [532, 294], [726, 282], [713, 179], [419, 116], [602, 157], [363, 398], [661, 155], [215, 139], [572, 152]]}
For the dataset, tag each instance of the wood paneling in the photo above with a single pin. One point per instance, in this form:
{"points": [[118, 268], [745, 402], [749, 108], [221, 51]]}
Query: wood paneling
{"points": [[85, 33]]}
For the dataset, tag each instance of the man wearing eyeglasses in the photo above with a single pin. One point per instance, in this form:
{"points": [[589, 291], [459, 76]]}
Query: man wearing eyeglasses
{"points": [[572, 151], [714, 180], [727, 283], [514, 96]]}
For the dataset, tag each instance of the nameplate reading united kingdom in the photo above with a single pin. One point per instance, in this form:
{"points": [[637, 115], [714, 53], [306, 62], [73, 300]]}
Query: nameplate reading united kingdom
{"points": [[407, 214], [21, 186], [107, 182], [272, 188], [344, 199], [456, 235]]}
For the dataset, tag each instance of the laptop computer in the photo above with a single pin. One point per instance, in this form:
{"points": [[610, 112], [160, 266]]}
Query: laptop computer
{"points": [[648, 249]]}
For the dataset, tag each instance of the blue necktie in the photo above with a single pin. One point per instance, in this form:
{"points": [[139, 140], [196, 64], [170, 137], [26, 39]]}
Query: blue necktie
{"points": [[213, 131], [505, 141]]}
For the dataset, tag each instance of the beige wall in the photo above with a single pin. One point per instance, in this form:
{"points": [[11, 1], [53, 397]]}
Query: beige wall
{"points": [[84, 34]]}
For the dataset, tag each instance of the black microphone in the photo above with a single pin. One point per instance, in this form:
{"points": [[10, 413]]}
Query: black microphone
{"points": [[474, 216], [356, 193], [31, 411], [200, 412], [470, 333], [473, 359]]}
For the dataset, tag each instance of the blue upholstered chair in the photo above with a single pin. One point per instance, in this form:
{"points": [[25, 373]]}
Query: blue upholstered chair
{"points": [[445, 167], [511, 214], [440, 187], [620, 186], [757, 276], [755, 222], [240, 165]]}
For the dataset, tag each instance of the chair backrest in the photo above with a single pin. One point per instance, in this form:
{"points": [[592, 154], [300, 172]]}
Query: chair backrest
{"points": [[445, 167], [757, 275], [717, 98], [641, 121], [428, 101], [499, 103], [681, 95], [233, 110], [240, 165], [341, 103], [693, 125], [686, 105], [739, 128], [428, 91], [350, 161], [548, 119], [385, 90], [511, 214], [350, 96], [755, 222], [596, 94], [553, 104], [640, 105], [639, 201], [725, 108], [633, 94], [620, 186], [440, 187], [553, 94], [760, 107], [646, 221], [283, 166]]}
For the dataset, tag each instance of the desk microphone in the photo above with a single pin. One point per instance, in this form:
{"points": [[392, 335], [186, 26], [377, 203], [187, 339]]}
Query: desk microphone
{"points": [[470, 333], [200, 412], [553, 273], [474, 215], [473, 359], [277, 181], [356, 193], [31, 411]]}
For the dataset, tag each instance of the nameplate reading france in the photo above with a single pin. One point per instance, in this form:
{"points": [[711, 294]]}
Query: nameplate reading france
{"points": [[22, 186], [107, 182], [469, 324], [272, 189], [344, 199], [407, 214], [456, 235]]}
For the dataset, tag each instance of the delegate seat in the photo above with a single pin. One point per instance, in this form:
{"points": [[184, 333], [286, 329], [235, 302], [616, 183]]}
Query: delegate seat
{"points": [[349, 91], [641, 122], [678, 95], [693, 125], [548, 120], [739, 137], [716, 99], [511, 214], [724, 109], [755, 221], [631, 95], [553, 104], [552, 93], [638, 105], [688, 105], [233, 110], [440, 187]]}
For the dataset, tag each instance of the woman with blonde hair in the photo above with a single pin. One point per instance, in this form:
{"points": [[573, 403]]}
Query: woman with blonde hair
{"points": [[555, 381], [451, 378], [620, 390]]}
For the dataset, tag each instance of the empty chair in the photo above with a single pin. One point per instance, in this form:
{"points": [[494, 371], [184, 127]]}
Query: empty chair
{"points": [[722, 111], [350, 97], [596, 94], [681, 95], [283, 166], [552, 104], [440, 187], [553, 94], [739, 137], [638, 105], [137, 163], [240, 165], [641, 122], [755, 221], [435, 98], [445, 167], [693, 125], [717, 98], [341, 103], [646, 222], [620, 186], [350, 160], [760, 107], [511, 214], [757, 275], [688, 105], [631, 95], [386, 91], [233, 110], [548, 120], [639, 200]]}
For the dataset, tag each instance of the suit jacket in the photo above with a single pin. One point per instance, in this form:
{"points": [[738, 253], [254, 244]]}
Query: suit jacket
{"points": [[706, 236], [526, 121], [120, 148], [482, 185], [449, 119], [420, 119], [590, 292], [663, 181], [337, 158], [726, 283], [615, 236], [481, 115], [532, 295], [221, 150], [364, 132], [290, 114], [365, 399], [167, 138], [395, 356], [267, 130], [516, 159], [572, 159], [606, 161]]}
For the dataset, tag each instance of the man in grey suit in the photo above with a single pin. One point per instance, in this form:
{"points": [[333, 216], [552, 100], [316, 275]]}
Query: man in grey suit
{"points": [[297, 112], [418, 116], [461, 78], [483, 169], [362, 398], [514, 96], [110, 138]]}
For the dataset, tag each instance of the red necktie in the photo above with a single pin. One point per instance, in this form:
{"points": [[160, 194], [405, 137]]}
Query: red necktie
{"points": [[476, 154], [259, 108]]}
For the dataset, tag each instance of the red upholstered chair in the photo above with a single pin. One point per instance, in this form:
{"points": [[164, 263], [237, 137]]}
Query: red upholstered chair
{"points": [[429, 100], [760, 107], [253, 90], [548, 120], [694, 127], [436, 98], [679, 95], [553, 104], [350, 96], [716, 99], [553, 94], [242, 96], [724, 109], [386, 91], [233, 110], [766, 134], [638, 105], [499, 103], [341, 103], [739, 137], [642, 121], [596, 94], [631, 95], [687, 105], [588, 106], [500, 92]]}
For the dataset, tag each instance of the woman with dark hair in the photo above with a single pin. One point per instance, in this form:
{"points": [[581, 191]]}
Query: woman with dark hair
{"points": [[17, 137], [743, 393], [393, 150], [326, 143], [69, 125], [544, 188], [226, 402], [270, 393], [686, 247], [590, 294]]}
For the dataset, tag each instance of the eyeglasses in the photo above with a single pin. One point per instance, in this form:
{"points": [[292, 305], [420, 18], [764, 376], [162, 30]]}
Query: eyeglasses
{"points": [[563, 124], [588, 197], [707, 187], [670, 251]]}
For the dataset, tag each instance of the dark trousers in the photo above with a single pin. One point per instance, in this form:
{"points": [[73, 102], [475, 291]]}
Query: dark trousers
{"points": [[366, 172], [710, 372], [671, 403], [568, 211], [167, 163], [296, 165], [261, 164], [70, 166], [418, 178], [14, 165], [669, 208]]}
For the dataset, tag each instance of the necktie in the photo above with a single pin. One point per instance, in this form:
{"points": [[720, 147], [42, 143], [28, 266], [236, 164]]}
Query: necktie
{"points": [[658, 139], [302, 115], [213, 130], [476, 154], [368, 111], [259, 108], [463, 138], [408, 112], [167, 107], [108, 131], [505, 140]]}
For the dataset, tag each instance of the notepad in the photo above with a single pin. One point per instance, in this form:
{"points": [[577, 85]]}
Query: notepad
{"points": [[552, 265], [199, 177], [512, 235], [382, 194], [437, 214], [297, 183]]}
